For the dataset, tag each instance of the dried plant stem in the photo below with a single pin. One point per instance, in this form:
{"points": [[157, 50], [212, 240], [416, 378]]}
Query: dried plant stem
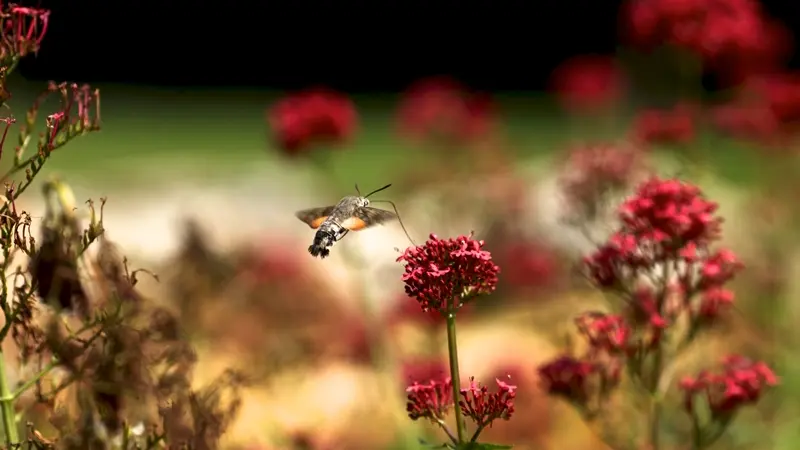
{"points": [[452, 351], [7, 406]]}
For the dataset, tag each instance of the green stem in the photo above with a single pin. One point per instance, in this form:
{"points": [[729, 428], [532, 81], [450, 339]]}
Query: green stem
{"points": [[697, 432], [477, 433], [655, 412], [452, 351], [447, 431], [35, 379], [7, 406]]}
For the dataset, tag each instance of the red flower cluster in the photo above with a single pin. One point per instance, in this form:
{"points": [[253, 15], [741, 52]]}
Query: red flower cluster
{"points": [[672, 214], [269, 262], [79, 113], [430, 401], [22, 31], [444, 273], [593, 171], [484, 407], [667, 224], [423, 369], [604, 332], [741, 382], [441, 108], [733, 36], [567, 377], [665, 233], [529, 265], [588, 83], [312, 117], [767, 110], [433, 400], [673, 126]]}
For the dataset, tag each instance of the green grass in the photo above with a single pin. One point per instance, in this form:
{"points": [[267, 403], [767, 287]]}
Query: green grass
{"points": [[158, 135]]}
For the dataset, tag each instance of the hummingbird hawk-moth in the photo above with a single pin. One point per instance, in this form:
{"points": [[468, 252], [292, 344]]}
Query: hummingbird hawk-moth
{"points": [[332, 223]]}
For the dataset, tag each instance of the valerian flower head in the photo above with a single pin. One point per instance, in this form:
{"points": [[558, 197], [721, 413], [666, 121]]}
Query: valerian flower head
{"points": [[588, 83], [593, 172], [664, 220], [442, 109], [567, 377], [423, 368], [312, 117], [670, 126], [740, 383], [430, 400], [443, 273], [22, 31], [484, 407], [672, 214], [604, 332]]}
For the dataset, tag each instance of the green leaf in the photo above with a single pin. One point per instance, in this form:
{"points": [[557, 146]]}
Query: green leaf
{"points": [[425, 444], [479, 446]]}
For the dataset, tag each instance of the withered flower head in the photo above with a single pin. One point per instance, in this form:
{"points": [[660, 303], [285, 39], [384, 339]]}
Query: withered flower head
{"points": [[54, 268]]}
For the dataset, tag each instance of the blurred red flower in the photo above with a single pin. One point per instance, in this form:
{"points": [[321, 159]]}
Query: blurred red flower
{"points": [[269, 262], [424, 369], [529, 265], [740, 383], [588, 83], [591, 172], [766, 110], [442, 108], [312, 117], [778, 92], [734, 38], [749, 122], [567, 377], [671, 126]]}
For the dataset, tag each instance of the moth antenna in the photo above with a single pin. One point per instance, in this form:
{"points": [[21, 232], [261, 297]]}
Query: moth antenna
{"points": [[378, 190], [398, 219], [358, 190]]}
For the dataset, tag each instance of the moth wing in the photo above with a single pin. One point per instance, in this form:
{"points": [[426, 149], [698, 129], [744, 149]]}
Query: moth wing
{"points": [[367, 217], [314, 216]]}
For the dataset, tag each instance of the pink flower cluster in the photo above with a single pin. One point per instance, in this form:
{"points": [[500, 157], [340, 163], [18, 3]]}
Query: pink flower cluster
{"points": [[442, 274], [732, 37], [665, 126], [23, 30], [740, 382], [594, 171], [588, 83], [440, 108], [437, 109], [312, 117], [766, 109], [660, 262], [434, 399]]}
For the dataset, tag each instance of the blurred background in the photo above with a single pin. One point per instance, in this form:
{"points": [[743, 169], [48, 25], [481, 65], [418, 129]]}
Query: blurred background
{"points": [[221, 120]]}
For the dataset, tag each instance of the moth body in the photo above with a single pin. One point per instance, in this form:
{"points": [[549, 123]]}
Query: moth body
{"points": [[352, 213]]}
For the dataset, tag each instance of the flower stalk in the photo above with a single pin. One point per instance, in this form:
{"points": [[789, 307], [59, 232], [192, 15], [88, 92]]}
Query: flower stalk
{"points": [[7, 406], [441, 276], [452, 353]]}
